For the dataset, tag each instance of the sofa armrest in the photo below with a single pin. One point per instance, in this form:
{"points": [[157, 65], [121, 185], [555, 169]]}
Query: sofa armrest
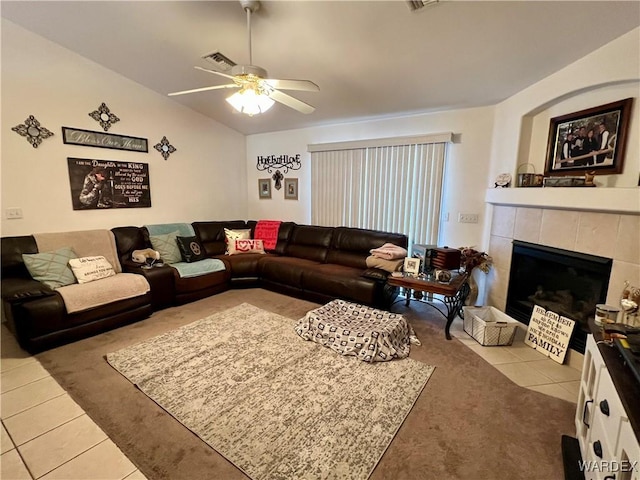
{"points": [[22, 289], [376, 274]]}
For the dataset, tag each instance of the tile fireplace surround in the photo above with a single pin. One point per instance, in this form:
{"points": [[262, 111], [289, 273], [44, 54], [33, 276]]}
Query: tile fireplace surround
{"points": [[610, 234]]}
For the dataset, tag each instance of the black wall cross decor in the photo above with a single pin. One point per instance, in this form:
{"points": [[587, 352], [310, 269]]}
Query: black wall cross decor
{"points": [[270, 162], [277, 177]]}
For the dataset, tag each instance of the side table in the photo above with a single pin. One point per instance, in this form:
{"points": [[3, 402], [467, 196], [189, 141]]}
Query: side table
{"points": [[454, 293]]}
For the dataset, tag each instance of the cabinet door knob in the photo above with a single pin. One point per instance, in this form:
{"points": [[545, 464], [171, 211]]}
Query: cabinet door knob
{"points": [[604, 407], [584, 413], [597, 448]]}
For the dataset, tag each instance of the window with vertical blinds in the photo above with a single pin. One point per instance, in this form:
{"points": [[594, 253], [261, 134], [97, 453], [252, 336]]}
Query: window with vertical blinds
{"points": [[395, 187]]}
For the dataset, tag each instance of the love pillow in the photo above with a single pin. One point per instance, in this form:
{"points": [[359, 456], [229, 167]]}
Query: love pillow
{"points": [[246, 246]]}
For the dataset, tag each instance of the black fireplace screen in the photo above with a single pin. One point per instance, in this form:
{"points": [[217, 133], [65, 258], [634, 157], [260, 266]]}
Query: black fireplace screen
{"points": [[565, 282]]}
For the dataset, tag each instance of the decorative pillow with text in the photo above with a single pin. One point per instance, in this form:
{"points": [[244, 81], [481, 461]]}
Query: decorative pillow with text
{"points": [[89, 269], [231, 235], [246, 246]]}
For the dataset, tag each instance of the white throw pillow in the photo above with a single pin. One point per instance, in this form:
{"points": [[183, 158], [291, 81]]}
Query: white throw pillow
{"points": [[88, 269], [231, 235]]}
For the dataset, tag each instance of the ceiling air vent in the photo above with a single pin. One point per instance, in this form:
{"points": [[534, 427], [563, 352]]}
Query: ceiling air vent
{"points": [[220, 61], [418, 4]]}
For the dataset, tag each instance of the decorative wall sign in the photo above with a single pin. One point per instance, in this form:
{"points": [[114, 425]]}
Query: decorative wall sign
{"points": [[291, 188], [103, 116], [549, 333], [264, 188], [33, 131], [88, 138], [165, 148], [277, 177], [282, 161], [589, 140], [103, 184]]}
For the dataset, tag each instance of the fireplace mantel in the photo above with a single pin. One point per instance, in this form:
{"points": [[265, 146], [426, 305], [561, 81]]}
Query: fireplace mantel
{"points": [[598, 199]]}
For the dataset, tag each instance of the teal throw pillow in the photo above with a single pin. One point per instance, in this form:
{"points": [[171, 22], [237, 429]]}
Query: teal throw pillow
{"points": [[167, 246], [51, 268]]}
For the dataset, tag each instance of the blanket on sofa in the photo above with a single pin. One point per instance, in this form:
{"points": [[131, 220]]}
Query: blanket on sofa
{"points": [[83, 296], [187, 270], [267, 231], [85, 243]]}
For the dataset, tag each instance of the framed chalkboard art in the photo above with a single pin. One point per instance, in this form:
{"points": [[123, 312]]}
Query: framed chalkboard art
{"points": [[105, 184]]}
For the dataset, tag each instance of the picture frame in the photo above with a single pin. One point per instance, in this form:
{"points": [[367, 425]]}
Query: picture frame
{"points": [[591, 140], [291, 189], [411, 266], [264, 188]]}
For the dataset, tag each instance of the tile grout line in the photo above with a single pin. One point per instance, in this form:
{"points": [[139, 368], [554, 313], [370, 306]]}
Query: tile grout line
{"points": [[25, 384], [64, 392], [51, 429], [73, 458]]}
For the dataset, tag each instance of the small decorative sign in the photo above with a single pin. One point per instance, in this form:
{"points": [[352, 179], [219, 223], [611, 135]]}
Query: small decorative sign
{"points": [[270, 162], [549, 333], [103, 184], [88, 138]]}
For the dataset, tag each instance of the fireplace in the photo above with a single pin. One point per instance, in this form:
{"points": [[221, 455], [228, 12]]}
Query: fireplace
{"points": [[565, 282]]}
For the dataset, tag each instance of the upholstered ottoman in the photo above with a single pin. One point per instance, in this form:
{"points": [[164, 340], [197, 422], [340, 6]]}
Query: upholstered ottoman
{"points": [[351, 329]]}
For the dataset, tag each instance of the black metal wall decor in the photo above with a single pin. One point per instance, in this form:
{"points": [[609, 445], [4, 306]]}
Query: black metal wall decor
{"points": [[104, 117], [88, 138], [106, 184], [32, 131], [165, 148], [270, 162]]}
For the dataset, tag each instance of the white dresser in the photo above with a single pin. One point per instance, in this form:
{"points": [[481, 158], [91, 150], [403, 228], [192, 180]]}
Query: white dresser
{"points": [[607, 416]]}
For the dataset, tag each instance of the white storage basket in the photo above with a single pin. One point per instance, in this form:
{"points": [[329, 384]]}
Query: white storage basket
{"points": [[489, 326]]}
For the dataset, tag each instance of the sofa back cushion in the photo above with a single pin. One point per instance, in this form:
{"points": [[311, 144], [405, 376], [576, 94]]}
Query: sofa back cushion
{"points": [[12, 250], [211, 234], [85, 243], [129, 239], [309, 242], [351, 246]]}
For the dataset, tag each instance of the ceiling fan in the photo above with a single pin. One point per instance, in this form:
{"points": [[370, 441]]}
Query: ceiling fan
{"points": [[257, 93]]}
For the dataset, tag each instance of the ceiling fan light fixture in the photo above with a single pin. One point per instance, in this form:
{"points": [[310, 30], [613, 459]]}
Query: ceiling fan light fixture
{"points": [[249, 102]]}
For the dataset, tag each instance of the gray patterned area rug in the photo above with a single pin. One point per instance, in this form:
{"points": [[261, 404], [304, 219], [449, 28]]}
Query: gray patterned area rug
{"points": [[274, 405]]}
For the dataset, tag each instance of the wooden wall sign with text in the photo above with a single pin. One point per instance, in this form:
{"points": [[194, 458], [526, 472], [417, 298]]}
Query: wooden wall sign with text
{"points": [[88, 138], [549, 333]]}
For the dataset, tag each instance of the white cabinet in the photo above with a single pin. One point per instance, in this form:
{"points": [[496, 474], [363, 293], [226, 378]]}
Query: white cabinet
{"points": [[608, 444]]}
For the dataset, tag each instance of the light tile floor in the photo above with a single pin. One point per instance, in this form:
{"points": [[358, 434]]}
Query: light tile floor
{"points": [[46, 435]]}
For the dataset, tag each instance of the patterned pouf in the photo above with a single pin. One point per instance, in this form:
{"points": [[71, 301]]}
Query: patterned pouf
{"points": [[352, 329]]}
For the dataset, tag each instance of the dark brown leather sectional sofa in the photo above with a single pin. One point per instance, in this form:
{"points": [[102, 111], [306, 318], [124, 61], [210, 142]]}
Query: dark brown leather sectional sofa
{"points": [[310, 262]]}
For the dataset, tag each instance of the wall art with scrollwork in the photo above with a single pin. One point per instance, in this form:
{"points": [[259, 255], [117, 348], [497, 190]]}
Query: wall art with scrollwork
{"points": [[271, 162]]}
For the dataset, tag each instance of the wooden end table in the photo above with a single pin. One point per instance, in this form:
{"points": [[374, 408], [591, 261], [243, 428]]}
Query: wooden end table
{"points": [[454, 293]]}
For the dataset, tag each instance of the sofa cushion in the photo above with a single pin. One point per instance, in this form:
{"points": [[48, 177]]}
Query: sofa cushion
{"points": [[285, 270], [167, 245], [211, 234], [90, 269], [340, 281], [352, 246], [12, 250], [190, 249], [309, 242], [51, 268]]}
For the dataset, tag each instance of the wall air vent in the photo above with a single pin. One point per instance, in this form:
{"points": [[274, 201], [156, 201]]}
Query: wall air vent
{"points": [[419, 4], [220, 61]]}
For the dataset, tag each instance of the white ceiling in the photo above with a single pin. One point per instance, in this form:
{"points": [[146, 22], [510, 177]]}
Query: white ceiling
{"points": [[370, 58]]}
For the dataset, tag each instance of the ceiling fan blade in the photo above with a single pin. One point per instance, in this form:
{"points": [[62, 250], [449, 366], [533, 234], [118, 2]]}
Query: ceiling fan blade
{"points": [[214, 72], [303, 85], [291, 102], [203, 89]]}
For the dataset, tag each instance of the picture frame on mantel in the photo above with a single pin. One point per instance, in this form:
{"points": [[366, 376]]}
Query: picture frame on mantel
{"points": [[589, 141]]}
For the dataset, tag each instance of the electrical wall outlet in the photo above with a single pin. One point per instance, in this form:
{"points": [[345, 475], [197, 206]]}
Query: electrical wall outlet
{"points": [[13, 213], [467, 218]]}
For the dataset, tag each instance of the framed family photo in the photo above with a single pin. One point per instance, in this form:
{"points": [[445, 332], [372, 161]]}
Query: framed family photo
{"points": [[264, 188], [411, 265], [591, 140], [291, 188]]}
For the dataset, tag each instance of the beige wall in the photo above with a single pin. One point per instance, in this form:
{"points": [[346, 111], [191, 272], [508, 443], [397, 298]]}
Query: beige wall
{"points": [[203, 180]]}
